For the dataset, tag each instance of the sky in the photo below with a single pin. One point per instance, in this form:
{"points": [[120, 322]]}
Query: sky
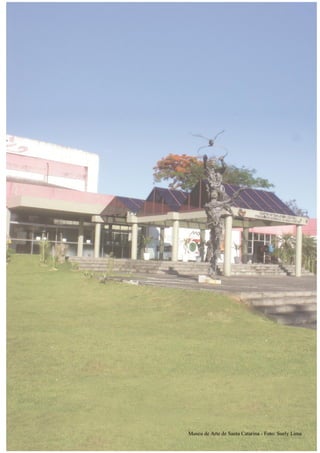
{"points": [[133, 82]]}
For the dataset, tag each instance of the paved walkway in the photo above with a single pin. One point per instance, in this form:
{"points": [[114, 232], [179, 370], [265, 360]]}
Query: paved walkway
{"points": [[233, 284]]}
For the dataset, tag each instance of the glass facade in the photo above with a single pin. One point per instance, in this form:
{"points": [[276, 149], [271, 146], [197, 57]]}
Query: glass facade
{"points": [[116, 241], [26, 231], [258, 243]]}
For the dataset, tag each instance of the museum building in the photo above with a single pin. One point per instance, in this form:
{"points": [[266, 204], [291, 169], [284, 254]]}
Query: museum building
{"points": [[52, 195]]}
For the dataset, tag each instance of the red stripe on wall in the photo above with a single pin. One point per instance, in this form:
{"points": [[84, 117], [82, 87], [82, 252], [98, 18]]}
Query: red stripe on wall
{"points": [[45, 167]]}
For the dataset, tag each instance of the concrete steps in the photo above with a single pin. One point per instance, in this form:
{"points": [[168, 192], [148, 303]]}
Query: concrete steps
{"points": [[290, 269], [138, 266], [298, 308], [254, 269], [178, 268]]}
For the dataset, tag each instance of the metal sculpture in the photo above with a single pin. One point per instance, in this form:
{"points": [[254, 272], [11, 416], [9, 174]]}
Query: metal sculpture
{"points": [[217, 206], [217, 203], [211, 141]]}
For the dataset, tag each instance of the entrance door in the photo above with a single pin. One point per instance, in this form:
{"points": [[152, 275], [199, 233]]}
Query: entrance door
{"points": [[258, 252]]}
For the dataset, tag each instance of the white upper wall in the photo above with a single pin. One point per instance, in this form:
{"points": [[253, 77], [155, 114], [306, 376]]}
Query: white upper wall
{"points": [[55, 164]]}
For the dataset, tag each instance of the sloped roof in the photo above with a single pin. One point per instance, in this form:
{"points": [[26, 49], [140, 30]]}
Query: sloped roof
{"points": [[255, 199], [133, 204], [258, 200], [173, 198], [119, 206]]}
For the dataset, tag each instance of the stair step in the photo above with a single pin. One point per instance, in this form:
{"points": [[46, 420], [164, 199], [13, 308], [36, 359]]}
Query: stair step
{"points": [[273, 297], [183, 268], [288, 308], [297, 308], [308, 319]]}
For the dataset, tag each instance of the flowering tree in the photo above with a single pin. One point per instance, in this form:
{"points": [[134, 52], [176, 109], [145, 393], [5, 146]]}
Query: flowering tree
{"points": [[186, 171]]}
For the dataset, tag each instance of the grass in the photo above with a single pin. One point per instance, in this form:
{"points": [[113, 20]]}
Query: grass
{"points": [[123, 367]]}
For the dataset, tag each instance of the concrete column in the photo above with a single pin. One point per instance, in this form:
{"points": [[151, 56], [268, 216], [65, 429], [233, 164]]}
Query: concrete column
{"points": [[97, 239], [80, 240], [134, 241], [175, 240], [227, 246], [244, 244], [8, 222], [298, 250], [161, 243], [202, 244]]}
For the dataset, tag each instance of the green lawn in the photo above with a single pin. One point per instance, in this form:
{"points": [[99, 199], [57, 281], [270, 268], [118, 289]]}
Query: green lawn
{"points": [[122, 367]]}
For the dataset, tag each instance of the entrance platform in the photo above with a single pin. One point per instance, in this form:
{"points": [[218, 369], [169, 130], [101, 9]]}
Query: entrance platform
{"points": [[236, 285]]}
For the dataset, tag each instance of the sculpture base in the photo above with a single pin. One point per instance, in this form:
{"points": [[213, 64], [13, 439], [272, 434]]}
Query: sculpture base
{"points": [[207, 279]]}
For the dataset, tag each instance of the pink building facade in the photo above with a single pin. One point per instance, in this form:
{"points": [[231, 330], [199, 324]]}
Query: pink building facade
{"points": [[52, 195], [34, 160]]}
